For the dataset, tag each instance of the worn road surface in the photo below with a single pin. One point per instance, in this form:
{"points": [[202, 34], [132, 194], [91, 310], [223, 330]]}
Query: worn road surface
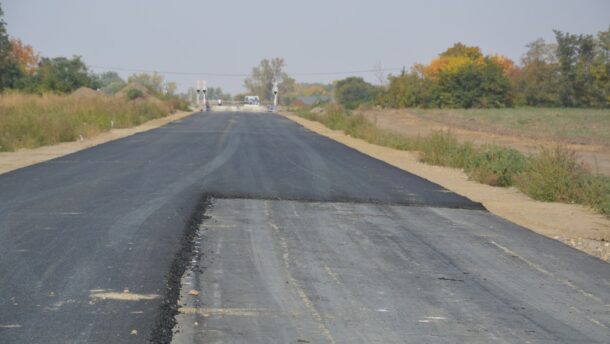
{"points": [[305, 241]]}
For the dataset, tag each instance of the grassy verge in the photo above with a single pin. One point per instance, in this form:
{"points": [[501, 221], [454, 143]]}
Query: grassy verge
{"points": [[30, 121], [553, 174], [569, 125]]}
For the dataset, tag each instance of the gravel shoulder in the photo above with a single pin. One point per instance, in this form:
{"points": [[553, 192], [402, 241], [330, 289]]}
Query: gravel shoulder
{"points": [[574, 225]]}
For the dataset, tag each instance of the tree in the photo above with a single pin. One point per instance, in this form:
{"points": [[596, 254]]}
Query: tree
{"points": [[474, 85], [61, 74], [110, 82], [461, 50], [353, 91], [217, 93], [153, 82], [25, 56], [538, 81], [9, 68], [261, 80]]}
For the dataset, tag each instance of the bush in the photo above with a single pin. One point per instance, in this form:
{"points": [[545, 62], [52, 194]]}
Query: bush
{"points": [[552, 175], [556, 175], [354, 91], [134, 93], [497, 166]]}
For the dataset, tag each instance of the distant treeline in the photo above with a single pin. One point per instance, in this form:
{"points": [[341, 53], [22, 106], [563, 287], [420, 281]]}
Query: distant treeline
{"points": [[572, 72], [22, 69]]}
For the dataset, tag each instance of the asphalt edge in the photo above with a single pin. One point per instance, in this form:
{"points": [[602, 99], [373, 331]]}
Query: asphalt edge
{"points": [[162, 332]]}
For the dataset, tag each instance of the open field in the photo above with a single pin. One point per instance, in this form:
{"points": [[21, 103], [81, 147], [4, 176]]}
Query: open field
{"points": [[566, 125], [30, 121]]}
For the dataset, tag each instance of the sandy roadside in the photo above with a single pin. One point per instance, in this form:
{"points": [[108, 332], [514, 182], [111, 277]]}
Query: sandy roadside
{"points": [[10, 161], [574, 225]]}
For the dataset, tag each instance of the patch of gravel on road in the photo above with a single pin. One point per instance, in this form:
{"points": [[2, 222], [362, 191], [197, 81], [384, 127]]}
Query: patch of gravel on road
{"points": [[166, 320]]}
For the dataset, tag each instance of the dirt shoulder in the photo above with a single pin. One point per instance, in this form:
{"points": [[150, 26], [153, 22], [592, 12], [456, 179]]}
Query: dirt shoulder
{"points": [[574, 225], [596, 156], [10, 161]]}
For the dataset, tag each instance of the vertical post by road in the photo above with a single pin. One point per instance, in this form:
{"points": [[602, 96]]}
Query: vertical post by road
{"points": [[275, 92], [204, 89], [198, 90]]}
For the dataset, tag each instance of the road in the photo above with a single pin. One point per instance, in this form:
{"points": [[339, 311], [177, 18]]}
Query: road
{"points": [[277, 235]]}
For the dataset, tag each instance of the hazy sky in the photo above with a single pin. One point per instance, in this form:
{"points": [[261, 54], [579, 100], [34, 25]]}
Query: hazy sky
{"points": [[313, 36]]}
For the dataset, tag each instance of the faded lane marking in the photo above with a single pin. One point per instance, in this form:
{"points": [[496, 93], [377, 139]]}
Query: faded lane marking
{"points": [[293, 282], [211, 226], [332, 274], [237, 312], [431, 319], [546, 272], [558, 279], [10, 326], [101, 294]]}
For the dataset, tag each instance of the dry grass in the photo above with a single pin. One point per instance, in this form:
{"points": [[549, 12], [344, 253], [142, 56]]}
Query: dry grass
{"points": [[567, 125], [30, 121]]}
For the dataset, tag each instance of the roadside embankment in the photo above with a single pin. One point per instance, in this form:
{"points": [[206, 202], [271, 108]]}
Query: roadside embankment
{"points": [[23, 157], [576, 225]]}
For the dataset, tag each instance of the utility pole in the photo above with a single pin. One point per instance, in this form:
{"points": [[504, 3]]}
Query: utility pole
{"points": [[204, 89], [275, 92], [198, 90]]}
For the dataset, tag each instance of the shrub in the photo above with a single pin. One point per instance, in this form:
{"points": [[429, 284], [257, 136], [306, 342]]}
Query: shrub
{"points": [[552, 175], [497, 166], [134, 93], [353, 91]]}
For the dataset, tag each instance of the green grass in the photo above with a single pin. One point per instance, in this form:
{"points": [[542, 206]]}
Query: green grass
{"points": [[568, 125], [30, 121], [551, 175]]}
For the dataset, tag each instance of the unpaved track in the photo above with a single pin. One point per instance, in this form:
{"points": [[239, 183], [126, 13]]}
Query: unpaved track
{"points": [[313, 234]]}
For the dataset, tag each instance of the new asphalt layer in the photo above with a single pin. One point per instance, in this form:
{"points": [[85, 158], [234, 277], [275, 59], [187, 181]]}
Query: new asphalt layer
{"points": [[322, 244]]}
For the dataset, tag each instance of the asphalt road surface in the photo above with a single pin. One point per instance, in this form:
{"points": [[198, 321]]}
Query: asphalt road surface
{"points": [[290, 238]]}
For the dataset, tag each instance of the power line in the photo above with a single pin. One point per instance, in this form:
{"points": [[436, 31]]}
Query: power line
{"points": [[240, 74]]}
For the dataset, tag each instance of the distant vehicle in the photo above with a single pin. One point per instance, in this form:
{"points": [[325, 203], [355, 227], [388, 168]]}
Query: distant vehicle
{"points": [[252, 100]]}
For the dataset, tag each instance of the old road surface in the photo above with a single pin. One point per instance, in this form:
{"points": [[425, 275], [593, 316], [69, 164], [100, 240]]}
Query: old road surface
{"points": [[247, 228]]}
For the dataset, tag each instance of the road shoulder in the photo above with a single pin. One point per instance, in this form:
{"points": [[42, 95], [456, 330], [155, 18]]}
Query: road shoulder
{"points": [[10, 161], [574, 225]]}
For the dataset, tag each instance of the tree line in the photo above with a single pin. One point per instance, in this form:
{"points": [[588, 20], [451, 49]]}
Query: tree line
{"points": [[574, 71], [23, 69]]}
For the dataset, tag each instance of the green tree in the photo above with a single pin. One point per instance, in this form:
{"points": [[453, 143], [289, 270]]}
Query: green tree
{"points": [[153, 82], [61, 74], [110, 82], [538, 80], [462, 50], [601, 70], [474, 85], [260, 82], [407, 90], [353, 91], [10, 72]]}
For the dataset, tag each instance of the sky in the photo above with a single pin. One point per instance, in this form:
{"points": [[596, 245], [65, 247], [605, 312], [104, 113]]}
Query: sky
{"points": [[194, 39]]}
